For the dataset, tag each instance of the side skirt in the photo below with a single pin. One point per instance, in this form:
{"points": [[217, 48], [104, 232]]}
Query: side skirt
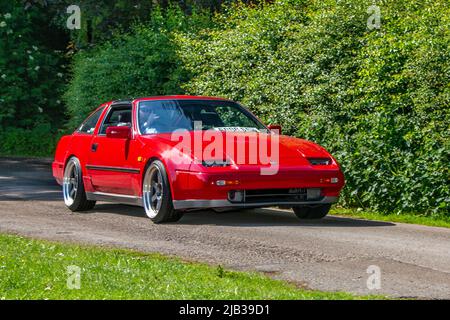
{"points": [[112, 197], [223, 203]]}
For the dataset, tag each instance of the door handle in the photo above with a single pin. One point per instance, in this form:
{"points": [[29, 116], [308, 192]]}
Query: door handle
{"points": [[94, 147]]}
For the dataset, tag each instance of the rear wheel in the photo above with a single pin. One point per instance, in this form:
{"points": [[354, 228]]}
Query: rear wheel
{"points": [[156, 195], [312, 212], [73, 187]]}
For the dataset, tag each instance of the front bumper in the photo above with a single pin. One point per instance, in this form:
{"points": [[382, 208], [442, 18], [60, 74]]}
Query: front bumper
{"points": [[223, 203], [202, 186]]}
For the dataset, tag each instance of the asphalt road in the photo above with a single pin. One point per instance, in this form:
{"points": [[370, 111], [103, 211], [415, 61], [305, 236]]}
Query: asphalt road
{"points": [[333, 254]]}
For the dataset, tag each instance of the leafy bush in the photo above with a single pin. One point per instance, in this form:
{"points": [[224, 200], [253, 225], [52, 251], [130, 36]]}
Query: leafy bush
{"points": [[31, 80], [31, 68], [139, 63], [39, 141], [378, 100]]}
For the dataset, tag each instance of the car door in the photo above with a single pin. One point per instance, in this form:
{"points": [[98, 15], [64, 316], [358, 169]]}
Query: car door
{"points": [[82, 139], [111, 167]]}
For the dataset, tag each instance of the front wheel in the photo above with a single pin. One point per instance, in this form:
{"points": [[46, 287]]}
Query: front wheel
{"points": [[73, 187], [312, 212], [156, 195]]}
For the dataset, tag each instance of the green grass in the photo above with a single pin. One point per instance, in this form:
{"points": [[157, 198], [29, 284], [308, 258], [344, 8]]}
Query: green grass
{"points": [[36, 269], [434, 221]]}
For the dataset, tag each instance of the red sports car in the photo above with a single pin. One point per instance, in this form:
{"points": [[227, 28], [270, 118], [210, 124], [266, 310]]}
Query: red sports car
{"points": [[174, 154]]}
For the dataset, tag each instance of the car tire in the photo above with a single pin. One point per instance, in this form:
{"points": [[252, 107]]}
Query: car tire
{"points": [[73, 187], [312, 212], [156, 195]]}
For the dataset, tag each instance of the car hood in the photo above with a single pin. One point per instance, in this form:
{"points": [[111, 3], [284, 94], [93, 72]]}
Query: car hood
{"points": [[286, 150]]}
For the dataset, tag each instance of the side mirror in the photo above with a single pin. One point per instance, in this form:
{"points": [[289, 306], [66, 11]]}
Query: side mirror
{"points": [[276, 128], [118, 132]]}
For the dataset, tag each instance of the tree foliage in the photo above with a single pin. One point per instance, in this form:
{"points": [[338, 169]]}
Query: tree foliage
{"points": [[378, 99], [31, 68], [140, 63]]}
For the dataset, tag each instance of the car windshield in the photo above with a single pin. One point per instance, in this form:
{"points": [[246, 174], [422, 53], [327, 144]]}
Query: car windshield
{"points": [[162, 116]]}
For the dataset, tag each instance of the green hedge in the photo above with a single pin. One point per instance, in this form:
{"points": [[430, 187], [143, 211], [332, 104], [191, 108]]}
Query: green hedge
{"points": [[37, 142], [139, 63], [31, 67], [378, 100]]}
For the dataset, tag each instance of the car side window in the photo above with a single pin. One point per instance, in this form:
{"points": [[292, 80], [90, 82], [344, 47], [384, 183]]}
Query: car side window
{"points": [[119, 116], [90, 123]]}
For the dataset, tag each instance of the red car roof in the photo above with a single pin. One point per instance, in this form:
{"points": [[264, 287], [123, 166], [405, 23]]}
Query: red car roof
{"points": [[178, 97]]}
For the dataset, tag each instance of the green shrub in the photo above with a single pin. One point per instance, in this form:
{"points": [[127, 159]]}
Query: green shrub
{"points": [[139, 63], [378, 100], [37, 142], [31, 67]]}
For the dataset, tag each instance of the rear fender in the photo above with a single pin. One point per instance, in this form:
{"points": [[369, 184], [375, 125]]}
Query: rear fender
{"points": [[60, 159]]}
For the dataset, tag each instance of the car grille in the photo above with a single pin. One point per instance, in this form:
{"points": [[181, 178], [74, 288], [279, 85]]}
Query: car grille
{"points": [[280, 195]]}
